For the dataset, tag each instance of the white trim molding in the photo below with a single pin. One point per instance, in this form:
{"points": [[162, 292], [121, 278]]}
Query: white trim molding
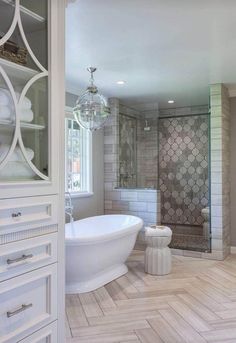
{"points": [[86, 151]]}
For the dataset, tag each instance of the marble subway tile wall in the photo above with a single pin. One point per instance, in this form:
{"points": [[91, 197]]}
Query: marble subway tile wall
{"points": [[220, 171], [111, 147], [145, 204]]}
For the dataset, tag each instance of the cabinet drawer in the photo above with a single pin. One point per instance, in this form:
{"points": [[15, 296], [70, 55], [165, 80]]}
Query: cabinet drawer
{"points": [[45, 335], [28, 302], [23, 256], [15, 214]]}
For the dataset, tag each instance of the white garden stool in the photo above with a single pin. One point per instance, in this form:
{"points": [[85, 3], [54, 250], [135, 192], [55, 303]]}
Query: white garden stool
{"points": [[158, 254]]}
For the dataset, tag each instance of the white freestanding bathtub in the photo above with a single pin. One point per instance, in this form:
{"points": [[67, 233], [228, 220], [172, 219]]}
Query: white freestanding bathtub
{"points": [[96, 250]]}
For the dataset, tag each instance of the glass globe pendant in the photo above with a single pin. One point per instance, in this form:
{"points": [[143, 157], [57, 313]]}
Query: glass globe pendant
{"points": [[91, 110]]}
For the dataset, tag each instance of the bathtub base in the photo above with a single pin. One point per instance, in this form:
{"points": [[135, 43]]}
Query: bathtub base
{"points": [[98, 281]]}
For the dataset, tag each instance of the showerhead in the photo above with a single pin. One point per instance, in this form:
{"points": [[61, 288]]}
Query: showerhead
{"points": [[146, 127]]}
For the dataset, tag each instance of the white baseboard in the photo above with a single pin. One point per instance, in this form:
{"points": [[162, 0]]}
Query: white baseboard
{"points": [[233, 250]]}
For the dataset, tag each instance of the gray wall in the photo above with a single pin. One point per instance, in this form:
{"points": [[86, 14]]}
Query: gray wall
{"points": [[233, 170], [92, 205]]}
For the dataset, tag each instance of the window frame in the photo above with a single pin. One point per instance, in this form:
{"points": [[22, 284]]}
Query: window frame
{"points": [[86, 159]]}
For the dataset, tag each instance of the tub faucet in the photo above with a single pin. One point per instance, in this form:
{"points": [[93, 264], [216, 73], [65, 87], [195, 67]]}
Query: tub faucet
{"points": [[69, 206]]}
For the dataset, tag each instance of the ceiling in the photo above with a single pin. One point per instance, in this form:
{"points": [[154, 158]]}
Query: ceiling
{"points": [[163, 49]]}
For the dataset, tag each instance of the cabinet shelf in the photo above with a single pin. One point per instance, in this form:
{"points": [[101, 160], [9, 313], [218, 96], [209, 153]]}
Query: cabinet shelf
{"points": [[31, 21], [7, 124], [17, 72]]}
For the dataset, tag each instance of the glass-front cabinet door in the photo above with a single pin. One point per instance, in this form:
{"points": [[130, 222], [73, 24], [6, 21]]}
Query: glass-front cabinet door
{"points": [[25, 104]]}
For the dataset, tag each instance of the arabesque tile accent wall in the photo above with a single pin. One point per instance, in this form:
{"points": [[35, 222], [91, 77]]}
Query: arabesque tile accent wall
{"points": [[183, 168]]}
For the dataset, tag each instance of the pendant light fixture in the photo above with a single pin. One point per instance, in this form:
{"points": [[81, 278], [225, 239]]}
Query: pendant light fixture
{"points": [[91, 110]]}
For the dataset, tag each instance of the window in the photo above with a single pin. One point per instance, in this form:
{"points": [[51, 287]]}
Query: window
{"points": [[78, 158]]}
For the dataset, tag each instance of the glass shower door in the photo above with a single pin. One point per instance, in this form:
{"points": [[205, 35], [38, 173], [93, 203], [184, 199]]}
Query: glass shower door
{"points": [[184, 179]]}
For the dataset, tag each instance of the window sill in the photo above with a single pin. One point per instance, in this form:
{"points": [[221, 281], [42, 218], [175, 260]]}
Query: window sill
{"points": [[81, 194]]}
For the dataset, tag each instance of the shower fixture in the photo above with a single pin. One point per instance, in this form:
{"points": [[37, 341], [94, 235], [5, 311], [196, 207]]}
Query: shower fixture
{"points": [[146, 127]]}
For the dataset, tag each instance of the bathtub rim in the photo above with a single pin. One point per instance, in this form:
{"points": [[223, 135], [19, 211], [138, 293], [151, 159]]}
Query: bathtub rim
{"points": [[129, 229]]}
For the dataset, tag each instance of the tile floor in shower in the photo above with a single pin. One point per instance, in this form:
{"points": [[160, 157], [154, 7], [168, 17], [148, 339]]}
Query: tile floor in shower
{"points": [[189, 238]]}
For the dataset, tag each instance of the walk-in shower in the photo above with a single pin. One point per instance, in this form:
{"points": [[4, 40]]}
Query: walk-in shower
{"points": [[170, 151]]}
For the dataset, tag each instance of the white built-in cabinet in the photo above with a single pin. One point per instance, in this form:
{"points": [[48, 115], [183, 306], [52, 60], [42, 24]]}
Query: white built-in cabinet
{"points": [[32, 171]]}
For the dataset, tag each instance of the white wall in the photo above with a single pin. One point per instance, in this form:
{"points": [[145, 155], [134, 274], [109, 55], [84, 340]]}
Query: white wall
{"points": [[233, 171], [92, 205]]}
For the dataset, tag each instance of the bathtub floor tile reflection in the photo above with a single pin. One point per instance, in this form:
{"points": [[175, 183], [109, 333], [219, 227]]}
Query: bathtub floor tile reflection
{"points": [[196, 302]]}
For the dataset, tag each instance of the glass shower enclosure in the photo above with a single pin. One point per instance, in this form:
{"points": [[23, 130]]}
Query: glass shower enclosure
{"points": [[184, 165], [171, 153]]}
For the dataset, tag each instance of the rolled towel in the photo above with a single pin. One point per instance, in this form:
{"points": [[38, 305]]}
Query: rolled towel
{"points": [[16, 155], [5, 112]]}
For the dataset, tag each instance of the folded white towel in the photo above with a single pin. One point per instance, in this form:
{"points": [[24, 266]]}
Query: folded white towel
{"points": [[16, 155], [4, 98], [16, 171], [26, 115], [26, 103], [5, 112]]}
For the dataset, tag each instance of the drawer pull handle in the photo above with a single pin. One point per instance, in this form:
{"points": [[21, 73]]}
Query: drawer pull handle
{"points": [[21, 309], [16, 215], [22, 258]]}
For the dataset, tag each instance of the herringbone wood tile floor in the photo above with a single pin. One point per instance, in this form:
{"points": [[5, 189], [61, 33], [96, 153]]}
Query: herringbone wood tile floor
{"points": [[196, 303]]}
